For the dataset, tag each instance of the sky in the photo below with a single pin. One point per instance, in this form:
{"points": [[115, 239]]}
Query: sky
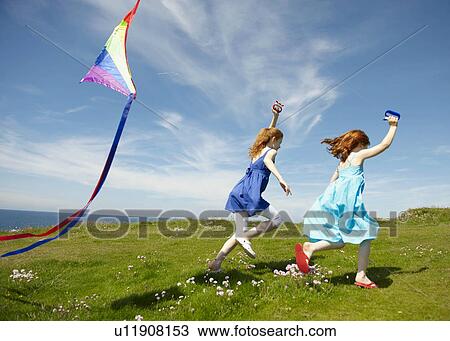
{"points": [[213, 68]]}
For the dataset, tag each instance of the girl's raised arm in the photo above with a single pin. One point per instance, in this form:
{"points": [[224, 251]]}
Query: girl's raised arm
{"points": [[268, 161], [275, 116], [381, 147], [276, 109]]}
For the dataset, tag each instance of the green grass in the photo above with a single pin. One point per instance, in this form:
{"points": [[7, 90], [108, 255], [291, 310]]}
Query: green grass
{"points": [[425, 216], [411, 269]]}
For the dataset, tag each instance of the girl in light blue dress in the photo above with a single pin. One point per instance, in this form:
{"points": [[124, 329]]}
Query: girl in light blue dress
{"points": [[339, 216]]}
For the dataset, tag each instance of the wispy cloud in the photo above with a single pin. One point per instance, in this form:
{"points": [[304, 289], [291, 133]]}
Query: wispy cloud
{"points": [[75, 109], [442, 150], [233, 56], [187, 172], [31, 201], [313, 123], [174, 118], [49, 114], [29, 89], [239, 54]]}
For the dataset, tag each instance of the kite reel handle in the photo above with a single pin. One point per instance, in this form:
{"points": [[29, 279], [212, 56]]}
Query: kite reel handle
{"points": [[389, 113], [277, 107]]}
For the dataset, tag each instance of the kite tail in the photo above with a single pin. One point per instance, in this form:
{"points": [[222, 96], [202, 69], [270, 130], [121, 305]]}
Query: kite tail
{"points": [[74, 218]]}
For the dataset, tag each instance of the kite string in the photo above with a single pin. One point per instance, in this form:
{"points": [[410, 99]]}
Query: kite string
{"points": [[354, 73], [60, 48]]}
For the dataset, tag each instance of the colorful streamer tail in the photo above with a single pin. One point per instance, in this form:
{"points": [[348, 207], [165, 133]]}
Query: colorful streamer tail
{"points": [[111, 69], [74, 218]]}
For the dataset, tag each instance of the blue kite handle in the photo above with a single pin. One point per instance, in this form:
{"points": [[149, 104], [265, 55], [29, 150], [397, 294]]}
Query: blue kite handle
{"points": [[391, 113]]}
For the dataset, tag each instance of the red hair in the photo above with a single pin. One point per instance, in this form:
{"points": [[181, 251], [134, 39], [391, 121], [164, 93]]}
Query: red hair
{"points": [[262, 139], [341, 147]]}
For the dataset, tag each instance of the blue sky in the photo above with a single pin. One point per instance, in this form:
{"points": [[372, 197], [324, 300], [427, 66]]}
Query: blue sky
{"points": [[213, 68]]}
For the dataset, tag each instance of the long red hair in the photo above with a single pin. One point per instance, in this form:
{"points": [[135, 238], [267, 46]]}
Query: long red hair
{"points": [[262, 139], [341, 147]]}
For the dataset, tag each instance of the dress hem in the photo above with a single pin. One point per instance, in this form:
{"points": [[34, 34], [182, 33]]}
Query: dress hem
{"points": [[313, 240]]}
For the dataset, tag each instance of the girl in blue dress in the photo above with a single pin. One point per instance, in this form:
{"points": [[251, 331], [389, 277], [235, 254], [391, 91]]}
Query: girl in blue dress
{"points": [[245, 198], [338, 216]]}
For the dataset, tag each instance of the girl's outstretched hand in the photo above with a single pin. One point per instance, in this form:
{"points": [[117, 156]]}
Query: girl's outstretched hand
{"points": [[285, 187], [383, 145], [277, 108], [392, 120]]}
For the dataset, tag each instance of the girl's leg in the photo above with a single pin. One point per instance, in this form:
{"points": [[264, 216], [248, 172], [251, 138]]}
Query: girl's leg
{"points": [[274, 221], [310, 248], [302, 258], [229, 245], [241, 220], [363, 262]]}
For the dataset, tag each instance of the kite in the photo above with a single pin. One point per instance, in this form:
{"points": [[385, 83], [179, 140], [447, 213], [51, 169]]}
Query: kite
{"points": [[111, 70]]}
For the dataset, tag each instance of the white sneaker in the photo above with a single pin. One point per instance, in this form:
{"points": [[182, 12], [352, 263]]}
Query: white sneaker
{"points": [[247, 246]]}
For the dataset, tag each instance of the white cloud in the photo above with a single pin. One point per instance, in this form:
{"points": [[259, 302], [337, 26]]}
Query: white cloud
{"points": [[31, 201], [172, 121], [442, 150], [239, 54], [193, 170], [75, 109], [29, 89], [51, 115], [313, 123]]}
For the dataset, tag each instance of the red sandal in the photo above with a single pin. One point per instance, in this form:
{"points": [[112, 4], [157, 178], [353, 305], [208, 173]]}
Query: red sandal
{"points": [[301, 259], [370, 285]]}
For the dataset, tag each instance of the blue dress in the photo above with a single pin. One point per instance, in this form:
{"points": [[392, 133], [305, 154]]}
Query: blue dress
{"points": [[339, 214], [246, 195]]}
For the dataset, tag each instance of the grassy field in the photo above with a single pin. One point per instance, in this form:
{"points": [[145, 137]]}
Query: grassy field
{"points": [[162, 278]]}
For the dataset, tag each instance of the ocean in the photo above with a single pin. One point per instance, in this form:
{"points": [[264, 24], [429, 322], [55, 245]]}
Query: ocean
{"points": [[17, 219]]}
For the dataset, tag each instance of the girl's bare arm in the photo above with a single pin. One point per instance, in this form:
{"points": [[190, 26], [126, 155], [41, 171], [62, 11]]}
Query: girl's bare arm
{"points": [[381, 147], [275, 116], [268, 161]]}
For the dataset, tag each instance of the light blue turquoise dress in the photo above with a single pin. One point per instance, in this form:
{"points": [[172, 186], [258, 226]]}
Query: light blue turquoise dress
{"points": [[339, 214]]}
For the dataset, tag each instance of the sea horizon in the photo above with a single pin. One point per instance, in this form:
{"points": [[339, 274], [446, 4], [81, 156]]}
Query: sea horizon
{"points": [[16, 219]]}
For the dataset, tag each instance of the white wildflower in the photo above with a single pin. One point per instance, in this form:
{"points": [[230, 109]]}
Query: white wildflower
{"points": [[219, 291], [23, 275]]}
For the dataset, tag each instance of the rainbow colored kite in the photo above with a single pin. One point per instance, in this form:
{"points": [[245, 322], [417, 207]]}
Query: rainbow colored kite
{"points": [[110, 69]]}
